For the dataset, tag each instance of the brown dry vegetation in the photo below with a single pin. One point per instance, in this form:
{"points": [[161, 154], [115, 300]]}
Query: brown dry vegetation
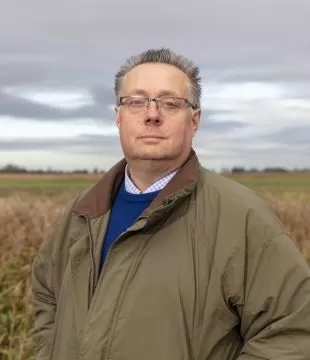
{"points": [[26, 219], [24, 222]]}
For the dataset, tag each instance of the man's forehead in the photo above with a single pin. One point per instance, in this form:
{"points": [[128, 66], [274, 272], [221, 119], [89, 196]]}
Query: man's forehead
{"points": [[159, 91], [158, 68], [163, 78]]}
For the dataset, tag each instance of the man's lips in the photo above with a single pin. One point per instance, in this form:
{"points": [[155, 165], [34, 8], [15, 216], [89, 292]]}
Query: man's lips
{"points": [[152, 137]]}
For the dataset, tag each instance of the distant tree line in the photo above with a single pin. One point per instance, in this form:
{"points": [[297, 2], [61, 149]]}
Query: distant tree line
{"points": [[15, 169], [11, 168], [240, 170]]}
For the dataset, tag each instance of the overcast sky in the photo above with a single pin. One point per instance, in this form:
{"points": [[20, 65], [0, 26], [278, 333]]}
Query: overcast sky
{"points": [[58, 60]]}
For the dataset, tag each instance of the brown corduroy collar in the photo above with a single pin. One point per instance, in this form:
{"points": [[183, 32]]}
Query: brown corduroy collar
{"points": [[98, 200]]}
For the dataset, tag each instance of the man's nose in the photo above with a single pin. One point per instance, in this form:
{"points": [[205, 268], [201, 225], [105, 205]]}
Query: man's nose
{"points": [[152, 113]]}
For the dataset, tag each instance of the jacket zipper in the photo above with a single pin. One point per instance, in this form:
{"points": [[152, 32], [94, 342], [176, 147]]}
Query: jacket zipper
{"points": [[120, 299], [93, 271], [92, 274]]}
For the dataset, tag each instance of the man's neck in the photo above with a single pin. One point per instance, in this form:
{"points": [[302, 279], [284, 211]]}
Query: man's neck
{"points": [[145, 173]]}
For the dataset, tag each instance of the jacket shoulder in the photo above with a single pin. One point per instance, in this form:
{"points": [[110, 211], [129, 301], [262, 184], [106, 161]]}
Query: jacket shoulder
{"points": [[241, 203]]}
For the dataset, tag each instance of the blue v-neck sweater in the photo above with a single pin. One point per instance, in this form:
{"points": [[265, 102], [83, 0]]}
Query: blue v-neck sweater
{"points": [[125, 210]]}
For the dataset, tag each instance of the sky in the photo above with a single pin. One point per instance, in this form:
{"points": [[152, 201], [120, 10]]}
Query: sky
{"points": [[58, 60]]}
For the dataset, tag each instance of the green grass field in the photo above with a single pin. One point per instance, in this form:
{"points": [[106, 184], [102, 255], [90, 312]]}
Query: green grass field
{"points": [[276, 183], [45, 184], [56, 184]]}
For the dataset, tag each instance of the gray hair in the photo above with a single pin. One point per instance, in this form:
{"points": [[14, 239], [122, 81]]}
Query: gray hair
{"points": [[164, 56]]}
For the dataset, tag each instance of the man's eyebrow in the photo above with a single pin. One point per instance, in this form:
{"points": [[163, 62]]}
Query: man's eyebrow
{"points": [[168, 93], [138, 92]]}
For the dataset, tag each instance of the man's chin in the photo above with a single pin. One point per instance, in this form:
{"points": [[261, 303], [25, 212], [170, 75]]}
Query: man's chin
{"points": [[152, 156]]}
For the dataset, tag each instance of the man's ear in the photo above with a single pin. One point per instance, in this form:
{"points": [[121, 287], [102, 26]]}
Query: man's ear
{"points": [[196, 120], [116, 109]]}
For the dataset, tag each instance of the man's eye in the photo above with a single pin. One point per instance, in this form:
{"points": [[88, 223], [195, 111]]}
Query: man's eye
{"points": [[171, 104], [136, 102]]}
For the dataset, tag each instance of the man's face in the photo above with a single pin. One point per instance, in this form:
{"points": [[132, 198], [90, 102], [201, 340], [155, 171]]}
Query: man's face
{"points": [[151, 133]]}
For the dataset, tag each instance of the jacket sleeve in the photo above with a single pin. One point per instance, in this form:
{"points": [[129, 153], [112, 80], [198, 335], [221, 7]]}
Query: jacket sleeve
{"points": [[47, 273], [275, 318], [46, 283], [44, 302]]}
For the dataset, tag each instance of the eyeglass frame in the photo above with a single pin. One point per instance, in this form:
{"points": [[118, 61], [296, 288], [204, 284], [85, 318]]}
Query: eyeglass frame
{"points": [[187, 102]]}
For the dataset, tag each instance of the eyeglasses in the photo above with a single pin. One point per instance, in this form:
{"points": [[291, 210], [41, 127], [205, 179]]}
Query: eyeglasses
{"points": [[166, 105]]}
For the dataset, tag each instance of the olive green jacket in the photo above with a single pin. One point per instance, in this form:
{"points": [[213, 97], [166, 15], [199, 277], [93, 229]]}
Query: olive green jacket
{"points": [[207, 272]]}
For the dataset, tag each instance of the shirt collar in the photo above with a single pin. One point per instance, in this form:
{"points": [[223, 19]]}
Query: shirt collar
{"points": [[158, 185]]}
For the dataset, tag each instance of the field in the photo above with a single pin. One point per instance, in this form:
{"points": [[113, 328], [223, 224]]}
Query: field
{"points": [[45, 184], [30, 205], [276, 183]]}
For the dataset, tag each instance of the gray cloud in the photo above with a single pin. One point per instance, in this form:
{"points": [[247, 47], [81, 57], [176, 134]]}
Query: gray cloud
{"points": [[98, 143], [290, 136], [19, 107], [210, 126], [80, 45], [222, 36], [288, 74], [21, 74], [48, 44]]}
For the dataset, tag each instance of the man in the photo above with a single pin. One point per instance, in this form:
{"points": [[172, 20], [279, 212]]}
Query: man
{"points": [[163, 259]]}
